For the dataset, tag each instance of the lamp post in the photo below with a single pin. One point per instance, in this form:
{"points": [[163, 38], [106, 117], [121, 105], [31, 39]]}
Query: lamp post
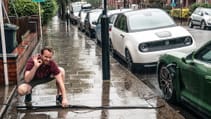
{"points": [[105, 43]]}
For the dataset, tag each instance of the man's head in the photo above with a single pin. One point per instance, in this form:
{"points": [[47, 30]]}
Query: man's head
{"points": [[46, 54]]}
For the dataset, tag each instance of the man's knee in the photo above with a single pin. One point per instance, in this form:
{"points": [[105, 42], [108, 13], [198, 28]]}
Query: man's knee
{"points": [[24, 89]]}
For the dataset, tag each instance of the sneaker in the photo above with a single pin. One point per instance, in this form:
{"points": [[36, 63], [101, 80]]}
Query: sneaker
{"points": [[28, 98], [59, 99]]}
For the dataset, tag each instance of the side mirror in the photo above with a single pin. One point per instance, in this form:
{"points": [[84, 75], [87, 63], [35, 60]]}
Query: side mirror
{"points": [[188, 59], [201, 14]]}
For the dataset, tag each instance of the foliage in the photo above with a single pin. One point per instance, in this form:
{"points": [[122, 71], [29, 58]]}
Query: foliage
{"points": [[195, 5], [49, 9], [156, 3], [176, 13], [23, 8], [167, 8]]}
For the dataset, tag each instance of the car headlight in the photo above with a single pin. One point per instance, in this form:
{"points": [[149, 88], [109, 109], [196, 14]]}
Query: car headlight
{"points": [[188, 41], [144, 47]]}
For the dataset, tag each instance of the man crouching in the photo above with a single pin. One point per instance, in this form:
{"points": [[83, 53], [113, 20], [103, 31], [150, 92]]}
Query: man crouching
{"points": [[42, 69]]}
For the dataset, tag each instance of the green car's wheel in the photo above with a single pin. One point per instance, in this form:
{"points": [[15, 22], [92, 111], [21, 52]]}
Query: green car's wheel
{"points": [[165, 80]]}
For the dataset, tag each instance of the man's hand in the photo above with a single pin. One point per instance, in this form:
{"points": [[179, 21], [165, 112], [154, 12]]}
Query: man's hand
{"points": [[37, 61], [64, 102]]}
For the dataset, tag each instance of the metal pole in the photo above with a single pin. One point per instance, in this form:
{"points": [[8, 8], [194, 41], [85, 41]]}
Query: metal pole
{"points": [[40, 21], [181, 11], [105, 44], [3, 46]]}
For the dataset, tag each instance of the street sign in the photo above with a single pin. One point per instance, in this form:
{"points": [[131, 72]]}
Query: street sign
{"points": [[38, 0], [173, 4]]}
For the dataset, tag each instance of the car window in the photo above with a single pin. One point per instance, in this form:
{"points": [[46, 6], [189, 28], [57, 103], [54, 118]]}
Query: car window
{"points": [[204, 54], [149, 20], [121, 23], [94, 16], [117, 22], [207, 11], [99, 19], [196, 11], [112, 18]]}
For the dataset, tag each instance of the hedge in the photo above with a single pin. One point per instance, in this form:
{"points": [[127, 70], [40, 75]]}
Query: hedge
{"points": [[176, 13]]}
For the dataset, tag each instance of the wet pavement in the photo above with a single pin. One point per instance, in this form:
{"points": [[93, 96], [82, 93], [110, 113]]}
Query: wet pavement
{"points": [[81, 59]]}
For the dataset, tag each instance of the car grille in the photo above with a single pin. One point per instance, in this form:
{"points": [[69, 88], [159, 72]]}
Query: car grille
{"points": [[165, 44]]}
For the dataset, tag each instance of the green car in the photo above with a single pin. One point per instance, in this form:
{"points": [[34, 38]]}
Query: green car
{"points": [[187, 77]]}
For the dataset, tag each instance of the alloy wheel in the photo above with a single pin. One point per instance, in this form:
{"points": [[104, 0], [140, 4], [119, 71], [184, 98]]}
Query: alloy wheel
{"points": [[166, 83]]}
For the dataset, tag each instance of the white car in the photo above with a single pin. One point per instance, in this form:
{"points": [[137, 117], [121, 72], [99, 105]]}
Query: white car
{"points": [[200, 17], [111, 15], [140, 37]]}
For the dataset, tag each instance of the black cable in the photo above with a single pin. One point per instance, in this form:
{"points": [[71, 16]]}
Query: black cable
{"points": [[84, 107]]}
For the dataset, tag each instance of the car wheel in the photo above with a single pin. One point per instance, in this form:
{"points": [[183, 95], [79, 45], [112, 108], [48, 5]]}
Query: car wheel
{"points": [[203, 25], [190, 24], [129, 60], [165, 80]]}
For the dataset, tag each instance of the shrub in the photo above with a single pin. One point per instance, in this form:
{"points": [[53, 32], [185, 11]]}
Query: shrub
{"points": [[23, 8], [49, 9], [176, 13], [195, 5]]}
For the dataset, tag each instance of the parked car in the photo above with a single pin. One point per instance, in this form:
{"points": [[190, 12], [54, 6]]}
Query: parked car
{"points": [[82, 15], [111, 16], [90, 18], [187, 77], [200, 17], [140, 37], [75, 7]]}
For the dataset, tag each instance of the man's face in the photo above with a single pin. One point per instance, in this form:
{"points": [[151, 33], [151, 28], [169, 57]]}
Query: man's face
{"points": [[46, 56]]}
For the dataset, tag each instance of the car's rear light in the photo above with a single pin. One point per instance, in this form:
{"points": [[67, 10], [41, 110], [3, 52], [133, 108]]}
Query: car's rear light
{"points": [[109, 29]]}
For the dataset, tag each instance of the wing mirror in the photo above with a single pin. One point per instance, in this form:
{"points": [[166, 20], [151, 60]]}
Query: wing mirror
{"points": [[189, 59]]}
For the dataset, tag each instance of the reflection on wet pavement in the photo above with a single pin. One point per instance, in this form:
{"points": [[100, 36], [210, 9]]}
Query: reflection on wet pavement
{"points": [[81, 59]]}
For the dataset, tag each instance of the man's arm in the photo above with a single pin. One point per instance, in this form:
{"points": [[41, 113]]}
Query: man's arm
{"points": [[62, 88], [29, 74]]}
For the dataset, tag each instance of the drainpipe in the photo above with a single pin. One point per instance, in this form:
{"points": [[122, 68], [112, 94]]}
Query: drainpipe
{"points": [[3, 46]]}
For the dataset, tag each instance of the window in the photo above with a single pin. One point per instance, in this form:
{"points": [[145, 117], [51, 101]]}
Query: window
{"points": [[121, 23], [204, 54]]}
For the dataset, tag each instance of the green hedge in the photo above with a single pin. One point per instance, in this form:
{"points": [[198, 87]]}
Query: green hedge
{"points": [[28, 8], [23, 8], [49, 9]]}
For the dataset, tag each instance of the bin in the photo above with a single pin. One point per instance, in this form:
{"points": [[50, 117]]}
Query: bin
{"points": [[10, 37]]}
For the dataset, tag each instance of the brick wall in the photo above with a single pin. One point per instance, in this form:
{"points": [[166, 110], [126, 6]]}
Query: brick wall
{"points": [[17, 59]]}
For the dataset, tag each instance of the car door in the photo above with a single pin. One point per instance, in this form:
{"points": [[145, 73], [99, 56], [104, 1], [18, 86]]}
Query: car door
{"points": [[204, 58], [197, 78], [198, 17], [195, 16], [86, 23], [190, 76], [98, 28], [118, 33]]}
